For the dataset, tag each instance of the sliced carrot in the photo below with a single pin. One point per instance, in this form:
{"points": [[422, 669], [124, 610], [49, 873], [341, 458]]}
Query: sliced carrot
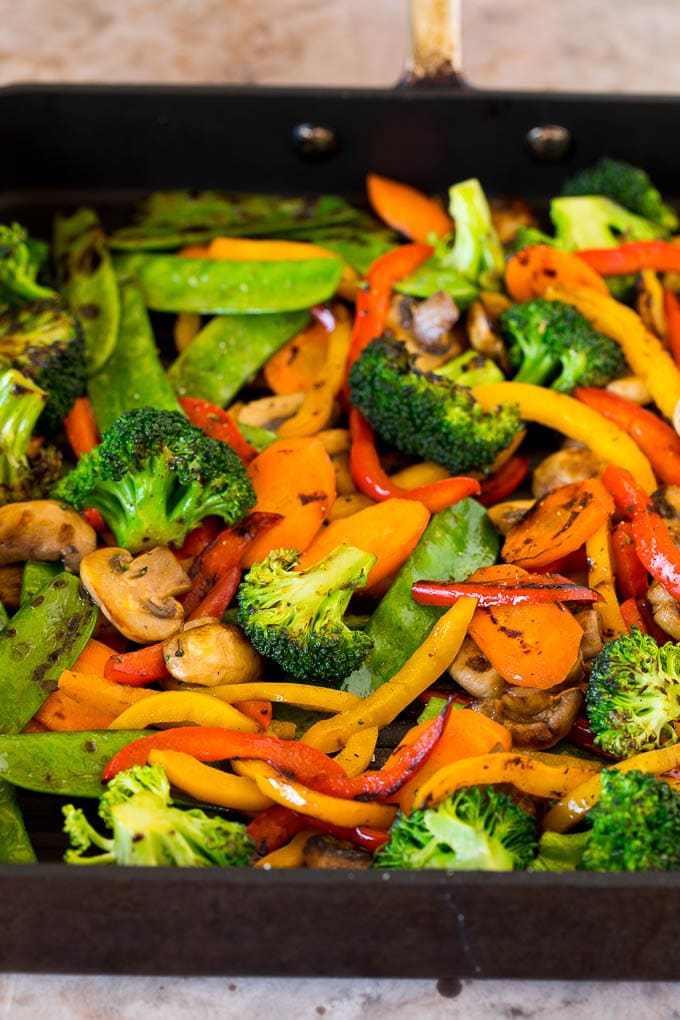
{"points": [[259, 711], [530, 272], [245, 249], [80, 427], [467, 733], [296, 365], [558, 524], [530, 646], [390, 530], [93, 658], [94, 693], [294, 478], [406, 209], [63, 714]]}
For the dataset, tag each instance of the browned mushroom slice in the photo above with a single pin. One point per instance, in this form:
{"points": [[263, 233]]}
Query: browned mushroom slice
{"points": [[590, 621], [536, 719], [570, 464], [505, 516], [428, 328], [665, 609], [44, 530], [509, 214], [483, 337], [10, 585], [329, 852], [270, 412], [137, 595], [208, 652], [472, 671]]}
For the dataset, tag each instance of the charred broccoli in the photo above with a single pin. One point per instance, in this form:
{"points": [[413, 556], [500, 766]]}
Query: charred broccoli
{"points": [[552, 344], [295, 617], [627, 185], [20, 261], [470, 369], [475, 829], [148, 830], [25, 473], [633, 696], [45, 343], [425, 414], [154, 477]]}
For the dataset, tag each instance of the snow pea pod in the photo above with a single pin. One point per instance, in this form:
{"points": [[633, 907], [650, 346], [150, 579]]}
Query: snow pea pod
{"points": [[228, 351], [133, 376], [15, 844], [44, 637], [36, 575], [87, 282], [69, 764], [170, 283], [456, 542]]}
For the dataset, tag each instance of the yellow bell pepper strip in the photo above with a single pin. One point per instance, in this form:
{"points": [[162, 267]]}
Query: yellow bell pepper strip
{"points": [[311, 803], [187, 326], [282, 728], [317, 407], [209, 784], [524, 772], [94, 691], [289, 856], [426, 665], [601, 580], [308, 696], [572, 418], [644, 352], [183, 707], [357, 754], [580, 799]]}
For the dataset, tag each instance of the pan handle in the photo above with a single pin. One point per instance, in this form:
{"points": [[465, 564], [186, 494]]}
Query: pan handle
{"points": [[435, 56]]}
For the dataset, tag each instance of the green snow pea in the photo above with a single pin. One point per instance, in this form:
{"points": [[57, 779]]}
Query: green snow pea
{"points": [[456, 542], [36, 575], [87, 282], [228, 351], [170, 283], [15, 844]]}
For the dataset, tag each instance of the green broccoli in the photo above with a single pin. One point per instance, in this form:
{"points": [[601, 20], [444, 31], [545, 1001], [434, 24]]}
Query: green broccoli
{"points": [[154, 477], [633, 695], [551, 344], [424, 414], [627, 185], [23, 477], [558, 851], [20, 261], [45, 343], [147, 830], [592, 221], [475, 829], [635, 825], [295, 617], [470, 369]]}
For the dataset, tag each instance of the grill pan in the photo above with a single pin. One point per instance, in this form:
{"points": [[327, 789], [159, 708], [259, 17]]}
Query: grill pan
{"points": [[108, 145]]}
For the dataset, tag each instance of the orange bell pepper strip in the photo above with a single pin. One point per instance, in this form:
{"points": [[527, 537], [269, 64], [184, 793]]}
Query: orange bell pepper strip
{"points": [[257, 709], [295, 366], [246, 249], [96, 693], [93, 658], [406, 209], [64, 714], [530, 272]]}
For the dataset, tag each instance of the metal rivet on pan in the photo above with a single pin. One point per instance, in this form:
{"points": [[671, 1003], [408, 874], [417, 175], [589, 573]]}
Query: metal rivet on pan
{"points": [[549, 143], [314, 141]]}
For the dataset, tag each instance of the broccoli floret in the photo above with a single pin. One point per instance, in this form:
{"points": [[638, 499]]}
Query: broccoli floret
{"points": [[22, 476], [627, 185], [635, 825], [592, 221], [559, 851], [477, 251], [154, 477], [471, 369], [20, 261], [295, 617], [424, 414], [45, 343], [552, 344], [633, 695], [475, 829], [147, 830]]}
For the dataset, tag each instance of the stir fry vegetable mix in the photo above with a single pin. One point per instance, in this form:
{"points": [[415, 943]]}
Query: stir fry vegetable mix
{"points": [[276, 602]]}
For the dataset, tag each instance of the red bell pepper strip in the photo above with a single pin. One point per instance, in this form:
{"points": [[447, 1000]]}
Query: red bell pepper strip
{"points": [[369, 477], [197, 540], [373, 299], [220, 560], [138, 668], [637, 612], [213, 743], [632, 257], [93, 518], [217, 600], [653, 544], [657, 440], [502, 483], [632, 615], [276, 825], [630, 575], [540, 589], [671, 306], [218, 424], [582, 736]]}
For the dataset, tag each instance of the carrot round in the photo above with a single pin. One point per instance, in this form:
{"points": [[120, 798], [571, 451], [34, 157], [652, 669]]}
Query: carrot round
{"points": [[406, 209], [530, 646], [296, 365], [390, 530], [530, 272], [558, 524], [294, 478]]}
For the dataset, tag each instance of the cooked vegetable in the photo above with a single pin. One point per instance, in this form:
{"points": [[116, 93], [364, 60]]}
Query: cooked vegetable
{"points": [[148, 830], [470, 369], [20, 261], [45, 531], [212, 653], [593, 221], [530, 272], [406, 209], [154, 477], [628, 185], [23, 477], [295, 616]]}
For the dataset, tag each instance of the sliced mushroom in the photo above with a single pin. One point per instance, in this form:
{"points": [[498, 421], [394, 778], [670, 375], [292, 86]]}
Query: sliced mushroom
{"points": [[209, 653], [536, 719], [631, 387], [472, 671], [505, 516], [428, 328], [570, 464], [509, 214], [44, 530], [590, 621], [666, 502], [433, 319], [10, 585], [665, 609], [329, 852], [137, 595], [483, 337], [270, 412]]}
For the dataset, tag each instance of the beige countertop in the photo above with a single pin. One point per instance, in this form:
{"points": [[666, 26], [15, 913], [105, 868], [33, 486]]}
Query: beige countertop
{"points": [[605, 46]]}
